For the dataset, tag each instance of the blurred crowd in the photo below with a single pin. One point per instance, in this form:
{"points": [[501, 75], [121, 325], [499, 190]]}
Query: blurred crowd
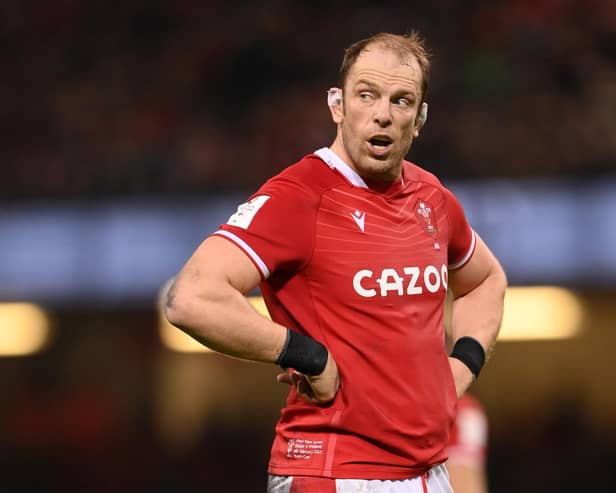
{"points": [[187, 97]]}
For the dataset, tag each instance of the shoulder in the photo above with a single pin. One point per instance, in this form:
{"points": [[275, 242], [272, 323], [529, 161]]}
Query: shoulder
{"points": [[295, 190], [419, 175], [310, 176]]}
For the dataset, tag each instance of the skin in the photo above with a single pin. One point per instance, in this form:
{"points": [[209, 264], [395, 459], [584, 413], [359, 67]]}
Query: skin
{"points": [[467, 478], [207, 300], [478, 290], [380, 99]]}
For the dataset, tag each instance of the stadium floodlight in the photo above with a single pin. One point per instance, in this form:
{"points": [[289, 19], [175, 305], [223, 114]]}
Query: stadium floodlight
{"points": [[541, 313], [177, 340], [24, 329], [531, 313]]}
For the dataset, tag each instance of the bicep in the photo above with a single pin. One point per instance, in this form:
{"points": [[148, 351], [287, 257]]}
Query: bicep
{"points": [[479, 267], [218, 261]]}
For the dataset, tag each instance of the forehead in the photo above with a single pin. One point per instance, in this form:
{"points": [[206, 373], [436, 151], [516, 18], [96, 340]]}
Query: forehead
{"points": [[384, 65]]}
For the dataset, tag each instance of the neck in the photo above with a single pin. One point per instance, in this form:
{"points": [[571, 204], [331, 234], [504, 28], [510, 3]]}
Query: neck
{"points": [[338, 148], [374, 180], [383, 186]]}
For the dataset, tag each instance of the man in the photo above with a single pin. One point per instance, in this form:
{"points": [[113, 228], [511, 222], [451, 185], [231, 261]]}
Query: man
{"points": [[467, 448], [354, 249]]}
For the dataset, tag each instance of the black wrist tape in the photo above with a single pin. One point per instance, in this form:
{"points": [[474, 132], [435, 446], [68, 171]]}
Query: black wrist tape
{"points": [[470, 352], [303, 353]]}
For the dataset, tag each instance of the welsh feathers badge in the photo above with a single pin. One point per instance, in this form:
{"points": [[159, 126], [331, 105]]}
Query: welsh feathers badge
{"points": [[425, 214]]}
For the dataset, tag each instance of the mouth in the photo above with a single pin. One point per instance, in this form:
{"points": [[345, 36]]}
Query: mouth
{"points": [[380, 145]]}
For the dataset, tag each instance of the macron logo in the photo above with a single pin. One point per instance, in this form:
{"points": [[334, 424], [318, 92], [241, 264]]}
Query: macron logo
{"points": [[359, 218]]}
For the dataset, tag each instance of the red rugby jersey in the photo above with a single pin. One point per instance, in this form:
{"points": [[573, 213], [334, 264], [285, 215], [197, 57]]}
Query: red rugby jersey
{"points": [[365, 273], [468, 440]]}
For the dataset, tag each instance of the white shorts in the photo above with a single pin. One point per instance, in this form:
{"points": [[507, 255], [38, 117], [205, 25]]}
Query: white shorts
{"points": [[436, 480]]}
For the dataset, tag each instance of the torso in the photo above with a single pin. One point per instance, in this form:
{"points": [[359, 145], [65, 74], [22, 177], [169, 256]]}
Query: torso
{"points": [[372, 289]]}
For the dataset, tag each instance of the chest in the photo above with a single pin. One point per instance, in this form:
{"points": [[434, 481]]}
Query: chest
{"points": [[370, 247]]}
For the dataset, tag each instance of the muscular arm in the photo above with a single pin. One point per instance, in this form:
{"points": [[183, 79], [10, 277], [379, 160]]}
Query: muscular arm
{"points": [[478, 290], [207, 301]]}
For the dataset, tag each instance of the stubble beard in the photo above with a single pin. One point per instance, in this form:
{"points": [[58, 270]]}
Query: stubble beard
{"points": [[370, 167]]}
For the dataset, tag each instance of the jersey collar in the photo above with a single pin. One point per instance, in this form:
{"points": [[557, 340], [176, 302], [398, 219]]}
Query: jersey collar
{"points": [[333, 161]]}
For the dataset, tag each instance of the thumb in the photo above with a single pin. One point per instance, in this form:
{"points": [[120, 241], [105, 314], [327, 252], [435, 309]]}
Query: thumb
{"points": [[284, 378]]}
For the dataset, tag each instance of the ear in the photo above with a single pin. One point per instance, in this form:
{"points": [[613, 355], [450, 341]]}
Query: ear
{"points": [[421, 118], [334, 101]]}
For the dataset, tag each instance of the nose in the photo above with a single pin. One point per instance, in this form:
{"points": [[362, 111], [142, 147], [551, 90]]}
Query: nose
{"points": [[382, 112]]}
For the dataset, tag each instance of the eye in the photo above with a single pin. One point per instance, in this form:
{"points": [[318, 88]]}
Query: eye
{"points": [[404, 102], [366, 96]]}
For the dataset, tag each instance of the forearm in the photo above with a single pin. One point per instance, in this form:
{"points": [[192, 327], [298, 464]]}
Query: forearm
{"points": [[479, 312], [207, 300], [221, 318]]}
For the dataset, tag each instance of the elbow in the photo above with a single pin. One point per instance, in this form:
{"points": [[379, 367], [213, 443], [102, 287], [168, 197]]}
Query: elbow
{"points": [[176, 307], [501, 279], [172, 314]]}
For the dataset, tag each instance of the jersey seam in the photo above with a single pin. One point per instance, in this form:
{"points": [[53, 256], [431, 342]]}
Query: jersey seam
{"points": [[449, 225]]}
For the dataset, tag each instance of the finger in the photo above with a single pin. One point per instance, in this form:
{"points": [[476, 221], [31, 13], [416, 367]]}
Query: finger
{"points": [[297, 377], [304, 389], [284, 378], [307, 394]]}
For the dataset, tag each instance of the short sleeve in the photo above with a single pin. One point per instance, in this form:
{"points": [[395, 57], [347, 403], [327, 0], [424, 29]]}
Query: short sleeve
{"points": [[461, 236], [275, 227]]}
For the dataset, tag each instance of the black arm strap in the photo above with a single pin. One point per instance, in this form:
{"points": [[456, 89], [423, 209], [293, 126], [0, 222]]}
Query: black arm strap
{"points": [[303, 353], [470, 352]]}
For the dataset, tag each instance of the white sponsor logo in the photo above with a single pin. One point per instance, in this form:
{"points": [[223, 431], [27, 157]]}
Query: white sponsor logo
{"points": [[412, 281], [247, 211], [299, 448], [359, 218]]}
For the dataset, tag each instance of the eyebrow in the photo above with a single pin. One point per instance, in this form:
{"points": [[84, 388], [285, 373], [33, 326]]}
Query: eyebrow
{"points": [[405, 91], [364, 81], [371, 85]]}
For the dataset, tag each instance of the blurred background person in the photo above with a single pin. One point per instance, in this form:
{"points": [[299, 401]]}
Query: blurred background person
{"points": [[468, 447]]}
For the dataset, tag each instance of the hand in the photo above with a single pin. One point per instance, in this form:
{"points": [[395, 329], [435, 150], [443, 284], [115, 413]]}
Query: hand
{"points": [[462, 376], [319, 389]]}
